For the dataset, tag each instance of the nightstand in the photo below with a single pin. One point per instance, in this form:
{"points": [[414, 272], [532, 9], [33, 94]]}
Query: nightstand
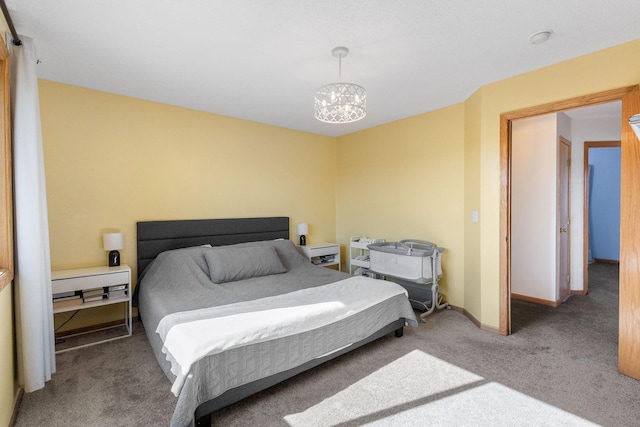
{"points": [[324, 254], [106, 285]]}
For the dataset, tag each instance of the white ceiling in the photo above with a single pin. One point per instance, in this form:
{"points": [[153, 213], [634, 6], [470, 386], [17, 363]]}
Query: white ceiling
{"points": [[262, 60], [611, 110]]}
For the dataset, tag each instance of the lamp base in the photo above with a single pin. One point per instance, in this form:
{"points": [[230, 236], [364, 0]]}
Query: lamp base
{"points": [[303, 241], [114, 259]]}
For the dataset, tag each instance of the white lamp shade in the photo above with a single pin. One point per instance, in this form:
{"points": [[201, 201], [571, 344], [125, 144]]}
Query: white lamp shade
{"points": [[303, 229], [112, 241]]}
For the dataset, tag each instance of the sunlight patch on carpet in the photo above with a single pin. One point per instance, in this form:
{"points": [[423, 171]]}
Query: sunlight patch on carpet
{"points": [[419, 389]]}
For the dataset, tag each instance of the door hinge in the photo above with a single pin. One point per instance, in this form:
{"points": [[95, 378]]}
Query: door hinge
{"points": [[568, 279]]}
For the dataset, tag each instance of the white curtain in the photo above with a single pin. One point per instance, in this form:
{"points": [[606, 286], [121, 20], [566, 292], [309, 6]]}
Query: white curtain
{"points": [[34, 310]]}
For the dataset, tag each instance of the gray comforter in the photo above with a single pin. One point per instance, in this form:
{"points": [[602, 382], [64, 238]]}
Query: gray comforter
{"points": [[179, 281]]}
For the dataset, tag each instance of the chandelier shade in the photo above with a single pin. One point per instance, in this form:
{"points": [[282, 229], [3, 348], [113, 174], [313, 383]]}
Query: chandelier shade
{"points": [[340, 102]]}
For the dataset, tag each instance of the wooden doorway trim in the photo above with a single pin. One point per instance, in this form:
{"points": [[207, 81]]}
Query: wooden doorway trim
{"points": [[563, 213], [629, 325], [6, 174], [585, 209], [506, 119]]}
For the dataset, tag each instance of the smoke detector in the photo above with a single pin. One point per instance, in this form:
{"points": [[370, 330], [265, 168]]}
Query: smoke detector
{"points": [[540, 37]]}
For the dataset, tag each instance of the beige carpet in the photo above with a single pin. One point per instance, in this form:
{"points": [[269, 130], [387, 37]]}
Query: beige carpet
{"points": [[418, 389]]}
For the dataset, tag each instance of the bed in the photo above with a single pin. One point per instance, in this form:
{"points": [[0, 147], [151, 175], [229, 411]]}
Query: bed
{"points": [[245, 279]]}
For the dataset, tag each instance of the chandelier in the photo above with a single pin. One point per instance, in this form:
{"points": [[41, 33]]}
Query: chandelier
{"points": [[340, 102]]}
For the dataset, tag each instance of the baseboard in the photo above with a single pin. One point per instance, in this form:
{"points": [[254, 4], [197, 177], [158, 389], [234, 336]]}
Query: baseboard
{"points": [[456, 308], [471, 317], [535, 300], [16, 407], [607, 261], [578, 292], [489, 328]]}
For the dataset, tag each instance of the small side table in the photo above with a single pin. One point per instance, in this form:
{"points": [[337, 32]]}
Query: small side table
{"points": [[83, 279], [324, 254]]}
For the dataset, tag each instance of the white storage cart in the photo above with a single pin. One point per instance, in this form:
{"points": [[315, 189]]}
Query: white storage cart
{"points": [[413, 264], [359, 264]]}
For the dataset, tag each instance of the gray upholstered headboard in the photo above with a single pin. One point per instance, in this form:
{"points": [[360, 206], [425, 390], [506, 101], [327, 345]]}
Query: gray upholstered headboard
{"points": [[155, 237]]}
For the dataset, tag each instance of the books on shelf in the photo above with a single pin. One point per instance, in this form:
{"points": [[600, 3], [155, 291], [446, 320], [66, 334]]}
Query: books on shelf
{"points": [[66, 301], [324, 259], [117, 291], [64, 294], [117, 294], [66, 298], [92, 292], [90, 295]]}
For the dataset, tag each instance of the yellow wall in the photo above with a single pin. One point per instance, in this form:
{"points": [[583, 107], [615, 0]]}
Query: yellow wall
{"points": [[472, 266], [111, 160], [405, 180]]}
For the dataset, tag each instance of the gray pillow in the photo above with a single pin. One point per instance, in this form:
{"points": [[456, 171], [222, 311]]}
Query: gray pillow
{"points": [[231, 264]]}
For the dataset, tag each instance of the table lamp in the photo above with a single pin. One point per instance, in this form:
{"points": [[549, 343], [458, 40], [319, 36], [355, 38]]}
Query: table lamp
{"points": [[113, 242], [303, 230]]}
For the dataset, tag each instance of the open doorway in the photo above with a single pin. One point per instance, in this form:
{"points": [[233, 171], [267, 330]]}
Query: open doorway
{"points": [[540, 218], [601, 211], [629, 346]]}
